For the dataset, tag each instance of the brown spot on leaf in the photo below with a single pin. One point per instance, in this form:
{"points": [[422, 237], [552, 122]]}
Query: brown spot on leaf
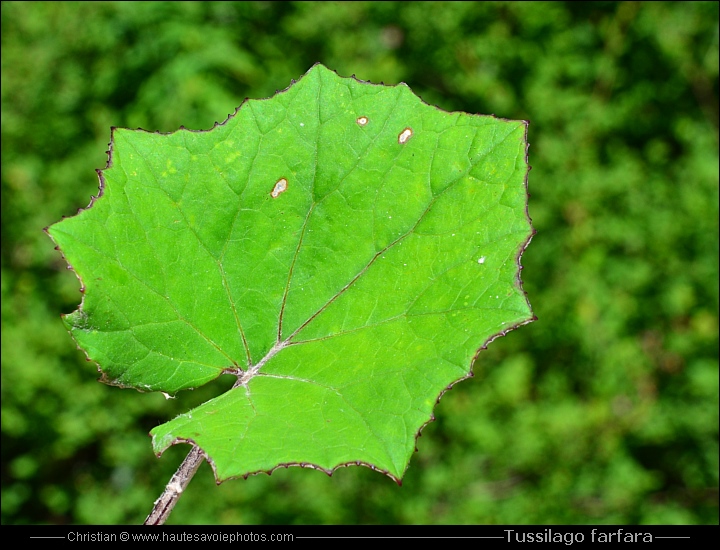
{"points": [[280, 187], [405, 135]]}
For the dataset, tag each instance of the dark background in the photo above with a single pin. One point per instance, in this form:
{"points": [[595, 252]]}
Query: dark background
{"points": [[603, 411]]}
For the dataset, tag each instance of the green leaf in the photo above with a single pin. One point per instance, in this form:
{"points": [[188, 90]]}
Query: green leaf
{"points": [[343, 248]]}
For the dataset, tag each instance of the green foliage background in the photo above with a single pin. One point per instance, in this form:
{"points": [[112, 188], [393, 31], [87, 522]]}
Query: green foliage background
{"points": [[603, 411]]}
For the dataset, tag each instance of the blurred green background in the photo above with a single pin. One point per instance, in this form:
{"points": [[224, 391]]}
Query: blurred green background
{"points": [[603, 411]]}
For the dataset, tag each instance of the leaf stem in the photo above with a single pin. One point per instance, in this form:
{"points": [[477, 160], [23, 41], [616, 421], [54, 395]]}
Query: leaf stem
{"points": [[175, 487]]}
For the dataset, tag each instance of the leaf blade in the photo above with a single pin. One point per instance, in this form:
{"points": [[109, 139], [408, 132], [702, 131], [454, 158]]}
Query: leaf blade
{"points": [[343, 246]]}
